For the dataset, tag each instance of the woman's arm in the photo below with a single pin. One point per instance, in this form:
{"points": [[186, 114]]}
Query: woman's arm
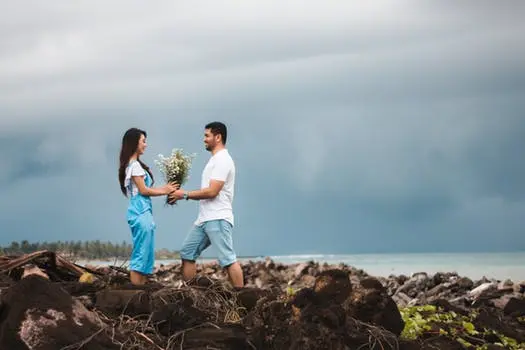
{"points": [[153, 191]]}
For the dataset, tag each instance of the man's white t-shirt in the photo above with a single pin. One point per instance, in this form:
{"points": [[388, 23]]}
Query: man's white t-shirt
{"points": [[219, 167]]}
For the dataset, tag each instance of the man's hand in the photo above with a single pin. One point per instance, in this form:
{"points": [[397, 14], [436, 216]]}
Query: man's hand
{"points": [[175, 196]]}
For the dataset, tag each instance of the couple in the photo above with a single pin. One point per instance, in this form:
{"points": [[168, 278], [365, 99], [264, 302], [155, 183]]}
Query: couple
{"points": [[214, 223]]}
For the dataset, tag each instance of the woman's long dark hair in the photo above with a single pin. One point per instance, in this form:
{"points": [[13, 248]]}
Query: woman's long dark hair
{"points": [[130, 143]]}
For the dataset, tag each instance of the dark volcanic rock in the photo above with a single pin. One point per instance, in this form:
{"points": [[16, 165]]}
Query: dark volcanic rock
{"points": [[39, 315], [5, 280], [248, 297], [465, 283], [282, 325], [504, 325], [115, 302], [177, 316], [432, 343], [441, 342], [515, 307], [269, 324], [417, 283], [370, 303], [232, 337], [333, 286], [448, 307], [334, 307], [325, 317]]}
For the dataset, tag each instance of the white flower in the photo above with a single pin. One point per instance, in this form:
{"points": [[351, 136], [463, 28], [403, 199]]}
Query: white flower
{"points": [[176, 167]]}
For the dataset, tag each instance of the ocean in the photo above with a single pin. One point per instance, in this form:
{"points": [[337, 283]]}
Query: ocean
{"points": [[499, 266], [473, 265]]}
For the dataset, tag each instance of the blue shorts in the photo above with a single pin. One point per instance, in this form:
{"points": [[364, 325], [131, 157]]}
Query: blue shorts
{"points": [[216, 232]]}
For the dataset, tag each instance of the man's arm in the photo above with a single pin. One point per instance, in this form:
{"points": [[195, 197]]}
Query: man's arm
{"points": [[209, 192]]}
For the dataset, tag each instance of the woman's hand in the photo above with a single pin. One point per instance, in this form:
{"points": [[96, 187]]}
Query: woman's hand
{"points": [[171, 187]]}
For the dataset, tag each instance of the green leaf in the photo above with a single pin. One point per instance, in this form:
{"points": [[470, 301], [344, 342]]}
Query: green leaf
{"points": [[469, 328], [464, 342]]}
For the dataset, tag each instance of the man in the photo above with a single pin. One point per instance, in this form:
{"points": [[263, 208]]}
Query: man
{"points": [[214, 224]]}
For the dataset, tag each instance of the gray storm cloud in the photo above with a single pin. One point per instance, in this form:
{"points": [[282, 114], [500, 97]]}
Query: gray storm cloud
{"points": [[82, 55]]}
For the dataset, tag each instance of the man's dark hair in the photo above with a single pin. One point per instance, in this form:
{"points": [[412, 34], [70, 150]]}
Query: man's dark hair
{"points": [[218, 128]]}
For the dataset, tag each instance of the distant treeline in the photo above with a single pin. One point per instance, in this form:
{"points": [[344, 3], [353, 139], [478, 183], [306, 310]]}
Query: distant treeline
{"points": [[82, 249]]}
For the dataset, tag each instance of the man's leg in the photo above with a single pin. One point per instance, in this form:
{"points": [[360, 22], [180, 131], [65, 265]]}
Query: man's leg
{"points": [[189, 269], [220, 234], [235, 273], [196, 241]]}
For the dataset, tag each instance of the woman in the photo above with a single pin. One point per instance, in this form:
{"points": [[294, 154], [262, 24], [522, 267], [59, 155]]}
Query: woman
{"points": [[136, 183]]}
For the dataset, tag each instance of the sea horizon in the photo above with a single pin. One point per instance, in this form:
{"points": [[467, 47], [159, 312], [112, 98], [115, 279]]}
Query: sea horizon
{"points": [[474, 265]]}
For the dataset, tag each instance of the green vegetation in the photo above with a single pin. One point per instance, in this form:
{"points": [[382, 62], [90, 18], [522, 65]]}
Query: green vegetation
{"points": [[429, 320], [82, 250]]}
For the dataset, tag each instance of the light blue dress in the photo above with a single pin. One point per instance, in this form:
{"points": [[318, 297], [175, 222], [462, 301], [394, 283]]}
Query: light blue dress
{"points": [[142, 225]]}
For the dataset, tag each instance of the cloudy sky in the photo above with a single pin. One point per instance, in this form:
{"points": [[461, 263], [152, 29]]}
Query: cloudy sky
{"points": [[356, 127]]}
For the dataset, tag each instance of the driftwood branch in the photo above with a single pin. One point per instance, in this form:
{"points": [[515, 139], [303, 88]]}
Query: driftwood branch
{"points": [[8, 264]]}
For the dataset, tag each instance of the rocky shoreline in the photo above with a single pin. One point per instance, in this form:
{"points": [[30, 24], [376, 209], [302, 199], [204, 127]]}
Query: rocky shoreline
{"points": [[49, 305]]}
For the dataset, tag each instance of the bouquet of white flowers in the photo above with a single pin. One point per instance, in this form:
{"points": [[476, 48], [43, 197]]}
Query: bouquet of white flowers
{"points": [[176, 167]]}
